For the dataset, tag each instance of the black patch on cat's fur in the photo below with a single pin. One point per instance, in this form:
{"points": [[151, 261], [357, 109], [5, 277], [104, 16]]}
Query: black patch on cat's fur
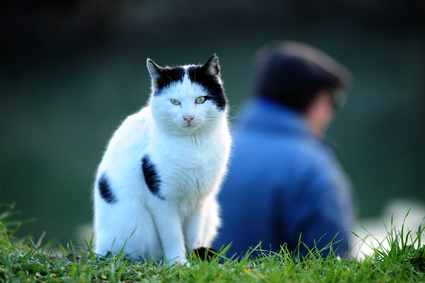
{"points": [[199, 74], [151, 176], [105, 190], [168, 75], [207, 254]]}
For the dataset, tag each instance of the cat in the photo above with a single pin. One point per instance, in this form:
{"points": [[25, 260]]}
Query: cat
{"points": [[155, 193]]}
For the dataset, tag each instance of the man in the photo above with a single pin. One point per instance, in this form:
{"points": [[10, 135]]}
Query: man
{"points": [[284, 184]]}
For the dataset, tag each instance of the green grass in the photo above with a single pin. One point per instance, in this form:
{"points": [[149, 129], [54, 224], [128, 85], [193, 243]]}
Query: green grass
{"points": [[23, 260]]}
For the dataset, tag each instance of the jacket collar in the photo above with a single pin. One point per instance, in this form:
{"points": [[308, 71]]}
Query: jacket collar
{"points": [[264, 114]]}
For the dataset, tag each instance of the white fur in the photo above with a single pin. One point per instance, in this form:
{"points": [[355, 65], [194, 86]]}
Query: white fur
{"points": [[190, 161]]}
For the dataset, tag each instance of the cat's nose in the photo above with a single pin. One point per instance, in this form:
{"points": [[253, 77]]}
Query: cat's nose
{"points": [[188, 118]]}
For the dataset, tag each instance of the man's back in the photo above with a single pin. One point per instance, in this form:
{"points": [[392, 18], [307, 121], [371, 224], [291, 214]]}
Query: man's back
{"points": [[282, 182]]}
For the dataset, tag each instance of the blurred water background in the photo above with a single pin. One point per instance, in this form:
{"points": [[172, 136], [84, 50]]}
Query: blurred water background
{"points": [[71, 71]]}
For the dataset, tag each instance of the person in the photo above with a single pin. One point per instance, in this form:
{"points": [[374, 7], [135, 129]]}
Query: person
{"points": [[284, 185]]}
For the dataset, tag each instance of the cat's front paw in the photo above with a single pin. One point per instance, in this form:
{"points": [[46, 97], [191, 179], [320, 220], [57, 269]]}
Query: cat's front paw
{"points": [[180, 261]]}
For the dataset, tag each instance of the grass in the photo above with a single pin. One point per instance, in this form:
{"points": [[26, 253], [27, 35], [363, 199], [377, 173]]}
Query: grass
{"points": [[23, 260]]}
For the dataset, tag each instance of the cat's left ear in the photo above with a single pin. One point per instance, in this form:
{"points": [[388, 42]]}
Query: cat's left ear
{"points": [[154, 70], [211, 67]]}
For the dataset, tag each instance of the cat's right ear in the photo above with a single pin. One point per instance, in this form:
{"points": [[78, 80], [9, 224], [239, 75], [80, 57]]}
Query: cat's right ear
{"points": [[212, 67], [154, 70]]}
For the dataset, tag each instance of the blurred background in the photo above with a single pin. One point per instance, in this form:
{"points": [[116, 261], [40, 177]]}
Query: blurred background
{"points": [[71, 71]]}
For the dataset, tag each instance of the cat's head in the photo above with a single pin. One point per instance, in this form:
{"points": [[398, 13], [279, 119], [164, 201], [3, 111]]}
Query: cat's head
{"points": [[187, 99]]}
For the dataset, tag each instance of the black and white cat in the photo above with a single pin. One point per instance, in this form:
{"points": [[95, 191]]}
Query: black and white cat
{"points": [[156, 186]]}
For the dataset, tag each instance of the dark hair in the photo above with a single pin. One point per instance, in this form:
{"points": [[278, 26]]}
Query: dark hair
{"points": [[293, 73]]}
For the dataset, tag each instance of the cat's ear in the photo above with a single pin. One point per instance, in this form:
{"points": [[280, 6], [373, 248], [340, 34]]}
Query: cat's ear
{"points": [[154, 70], [211, 67]]}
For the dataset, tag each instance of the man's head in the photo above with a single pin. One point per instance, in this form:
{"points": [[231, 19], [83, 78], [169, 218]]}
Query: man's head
{"points": [[301, 77]]}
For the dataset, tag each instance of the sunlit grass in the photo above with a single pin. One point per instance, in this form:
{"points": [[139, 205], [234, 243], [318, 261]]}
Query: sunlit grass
{"points": [[23, 260]]}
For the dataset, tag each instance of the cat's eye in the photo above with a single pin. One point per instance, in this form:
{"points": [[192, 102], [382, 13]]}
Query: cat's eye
{"points": [[200, 100], [175, 101]]}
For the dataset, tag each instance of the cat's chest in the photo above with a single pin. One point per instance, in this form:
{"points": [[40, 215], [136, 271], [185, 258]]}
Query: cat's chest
{"points": [[192, 160], [189, 168]]}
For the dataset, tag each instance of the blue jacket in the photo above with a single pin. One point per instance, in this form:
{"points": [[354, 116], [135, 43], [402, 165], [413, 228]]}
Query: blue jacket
{"points": [[282, 182]]}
